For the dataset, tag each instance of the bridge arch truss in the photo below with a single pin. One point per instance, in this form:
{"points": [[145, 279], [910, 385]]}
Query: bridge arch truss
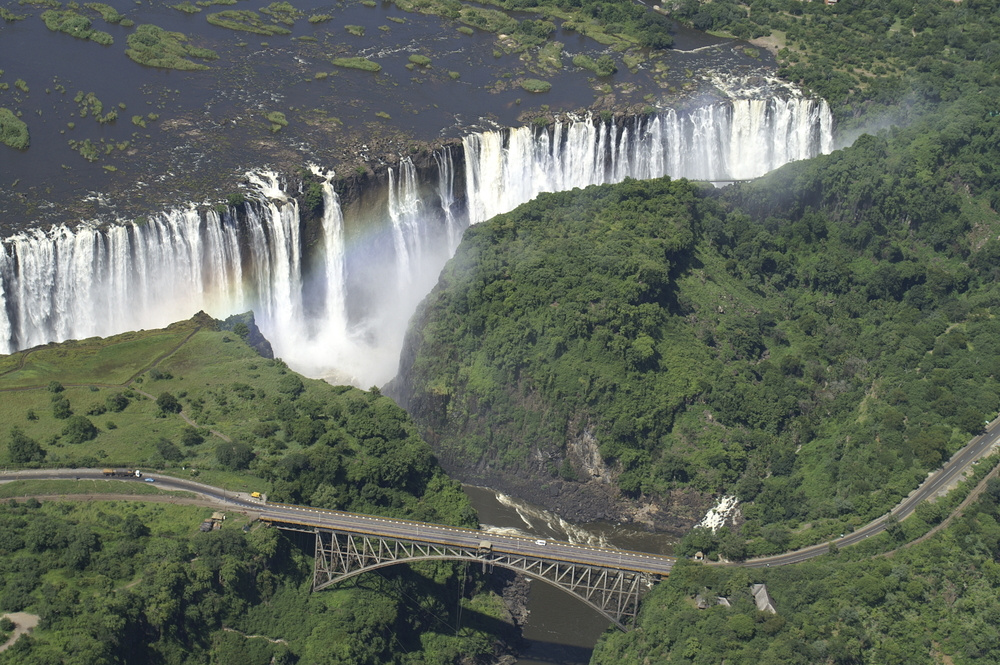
{"points": [[614, 593]]}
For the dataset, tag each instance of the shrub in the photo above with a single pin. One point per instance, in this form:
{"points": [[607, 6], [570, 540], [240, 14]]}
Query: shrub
{"points": [[186, 7], [283, 12], [356, 30], [421, 60], [247, 21], [277, 120]]}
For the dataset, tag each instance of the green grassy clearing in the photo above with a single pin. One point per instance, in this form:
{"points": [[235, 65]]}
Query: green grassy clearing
{"points": [[19, 488]]}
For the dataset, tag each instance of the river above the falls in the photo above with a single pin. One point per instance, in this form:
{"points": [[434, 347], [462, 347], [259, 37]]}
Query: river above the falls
{"points": [[559, 629], [188, 136]]}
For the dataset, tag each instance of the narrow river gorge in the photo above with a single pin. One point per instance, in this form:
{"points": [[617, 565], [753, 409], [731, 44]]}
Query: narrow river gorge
{"points": [[559, 629]]}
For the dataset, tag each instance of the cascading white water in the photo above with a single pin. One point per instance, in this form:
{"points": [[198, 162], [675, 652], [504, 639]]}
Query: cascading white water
{"points": [[446, 194], [67, 284], [340, 310], [405, 212], [738, 140], [336, 267]]}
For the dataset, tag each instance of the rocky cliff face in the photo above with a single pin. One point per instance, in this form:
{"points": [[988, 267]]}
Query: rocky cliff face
{"points": [[245, 326]]}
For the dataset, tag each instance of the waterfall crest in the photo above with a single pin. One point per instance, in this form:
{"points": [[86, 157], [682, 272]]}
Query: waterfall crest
{"points": [[338, 307]]}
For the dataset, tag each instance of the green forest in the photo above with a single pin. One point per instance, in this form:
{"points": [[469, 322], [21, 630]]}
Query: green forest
{"points": [[873, 62], [929, 603], [127, 582]]}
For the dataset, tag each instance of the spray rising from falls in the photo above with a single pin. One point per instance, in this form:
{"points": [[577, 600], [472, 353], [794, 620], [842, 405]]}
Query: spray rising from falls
{"points": [[333, 293]]}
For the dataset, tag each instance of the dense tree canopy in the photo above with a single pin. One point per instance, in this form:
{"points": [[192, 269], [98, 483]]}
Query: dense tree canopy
{"points": [[126, 583], [814, 342], [933, 602]]}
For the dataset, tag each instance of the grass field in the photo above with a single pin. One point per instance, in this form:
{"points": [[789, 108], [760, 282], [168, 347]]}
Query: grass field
{"points": [[222, 384], [57, 488]]}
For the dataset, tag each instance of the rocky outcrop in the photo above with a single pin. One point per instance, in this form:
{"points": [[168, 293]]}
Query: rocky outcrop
{"points": [[245, 326]]}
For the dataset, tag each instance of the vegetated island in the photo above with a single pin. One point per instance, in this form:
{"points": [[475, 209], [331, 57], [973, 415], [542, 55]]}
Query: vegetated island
{"points": [[134, 583], [13, 130]]}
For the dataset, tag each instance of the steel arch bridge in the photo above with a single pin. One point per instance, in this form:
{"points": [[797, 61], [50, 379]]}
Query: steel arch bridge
{"points": [[614, 592]]}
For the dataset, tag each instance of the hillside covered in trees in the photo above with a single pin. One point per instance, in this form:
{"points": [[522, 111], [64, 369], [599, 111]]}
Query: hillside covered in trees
{"points": [[814, 342], [930, 603]]}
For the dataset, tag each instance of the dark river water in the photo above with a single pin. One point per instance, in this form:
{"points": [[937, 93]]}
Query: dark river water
{"points": [[560, 629], [210, 125]]}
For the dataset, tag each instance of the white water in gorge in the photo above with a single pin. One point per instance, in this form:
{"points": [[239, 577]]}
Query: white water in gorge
{"points": [[334, 302]]}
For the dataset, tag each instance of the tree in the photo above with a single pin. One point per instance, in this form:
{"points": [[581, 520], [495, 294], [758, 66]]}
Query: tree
{"points": [[606, 65], [290, 384], [61, 409], [23, 449], [192, 436], [168, 403], [116, 402], [133, 527], [234, 456], [168, 450], [79, 429]]}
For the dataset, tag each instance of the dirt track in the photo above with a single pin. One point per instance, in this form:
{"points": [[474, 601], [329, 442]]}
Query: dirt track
{"points": [[24, 621]]}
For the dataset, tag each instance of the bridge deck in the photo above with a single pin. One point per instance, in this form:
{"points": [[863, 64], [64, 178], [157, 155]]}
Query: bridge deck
{"points": [[309, 519]]}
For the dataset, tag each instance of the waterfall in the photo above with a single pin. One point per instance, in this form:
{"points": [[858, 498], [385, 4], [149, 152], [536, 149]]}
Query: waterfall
{"points": [[405, 210], [338, 307], [336, 268], [446, 194], [737, 140]]}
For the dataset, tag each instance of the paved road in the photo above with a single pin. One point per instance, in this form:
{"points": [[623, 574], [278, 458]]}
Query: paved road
{"points": [[561, 551], [934, 483], [381, 526]]}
